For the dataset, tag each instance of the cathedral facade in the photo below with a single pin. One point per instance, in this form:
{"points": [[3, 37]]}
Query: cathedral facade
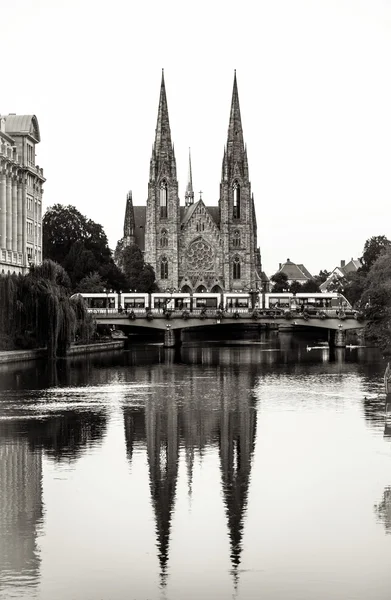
{"points": [[196, 247]]}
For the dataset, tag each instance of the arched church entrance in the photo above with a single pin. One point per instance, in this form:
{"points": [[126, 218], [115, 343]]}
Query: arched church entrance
{"points": [[186, 289], [201, 289], [216, 289]]}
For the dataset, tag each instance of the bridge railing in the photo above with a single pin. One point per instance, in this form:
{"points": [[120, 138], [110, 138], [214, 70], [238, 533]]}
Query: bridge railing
{"points": [[212, 313]]}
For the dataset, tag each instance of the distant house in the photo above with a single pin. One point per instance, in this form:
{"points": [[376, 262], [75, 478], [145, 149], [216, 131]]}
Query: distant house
{"points": [[339, 273], [294, 272]]}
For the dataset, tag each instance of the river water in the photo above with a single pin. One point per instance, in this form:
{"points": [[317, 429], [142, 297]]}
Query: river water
{"points": [[257, 470]]}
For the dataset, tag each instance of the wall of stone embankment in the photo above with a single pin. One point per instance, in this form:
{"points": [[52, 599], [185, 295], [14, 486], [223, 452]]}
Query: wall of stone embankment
{"points": [[10, 356]]}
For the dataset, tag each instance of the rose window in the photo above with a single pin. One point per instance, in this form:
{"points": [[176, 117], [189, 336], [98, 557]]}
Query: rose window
{"points": [[200, 256]]}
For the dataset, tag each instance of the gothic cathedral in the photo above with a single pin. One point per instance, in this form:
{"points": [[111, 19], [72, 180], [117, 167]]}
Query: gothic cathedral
{"points": [[197, 247]]}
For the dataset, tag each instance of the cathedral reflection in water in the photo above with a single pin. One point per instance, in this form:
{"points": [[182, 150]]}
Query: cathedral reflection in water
{"points": [[189, 423]]}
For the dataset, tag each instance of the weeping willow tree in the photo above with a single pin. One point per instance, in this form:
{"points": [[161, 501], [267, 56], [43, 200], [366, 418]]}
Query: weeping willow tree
{"points": [[36, 311]]}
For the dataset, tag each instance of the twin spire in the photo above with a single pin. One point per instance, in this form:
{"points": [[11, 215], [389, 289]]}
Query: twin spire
{"points": [[235, 143], [163, 143], [163, 149]]}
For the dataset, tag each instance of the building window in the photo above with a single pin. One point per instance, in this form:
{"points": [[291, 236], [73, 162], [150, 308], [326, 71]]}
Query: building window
{"points": [[29, 228], [164, 239], [30, 155], [163, 199], [30, 202], [236, 268], [164, 268], [236, 187], [236, 239]]}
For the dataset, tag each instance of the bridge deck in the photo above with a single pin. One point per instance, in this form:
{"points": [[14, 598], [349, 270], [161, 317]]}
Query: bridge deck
{"points": [[179, 319]]}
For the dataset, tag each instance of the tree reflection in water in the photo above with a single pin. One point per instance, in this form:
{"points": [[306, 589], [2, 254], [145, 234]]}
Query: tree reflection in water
{"points": [[383, 510]]}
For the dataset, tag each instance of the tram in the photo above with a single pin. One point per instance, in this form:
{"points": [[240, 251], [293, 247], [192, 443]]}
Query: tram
{"points": [[100, 302], [228, 301]]}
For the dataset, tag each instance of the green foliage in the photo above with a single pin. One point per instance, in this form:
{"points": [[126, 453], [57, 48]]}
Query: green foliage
{"points": [[373, 248], [140, 276], [63, 226], [80, 246], [310, 287], [321, 278], [295, 287], [376, 300], [113, 277], [353, 288], [280, 281], [79, 262], [92, 284], [37, 311]]}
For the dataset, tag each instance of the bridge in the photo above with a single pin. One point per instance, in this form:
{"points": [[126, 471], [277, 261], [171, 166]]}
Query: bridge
{"points": [[172, 322]]}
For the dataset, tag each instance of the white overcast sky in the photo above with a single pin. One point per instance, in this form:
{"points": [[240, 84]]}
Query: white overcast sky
{"points": [[315, 95]]}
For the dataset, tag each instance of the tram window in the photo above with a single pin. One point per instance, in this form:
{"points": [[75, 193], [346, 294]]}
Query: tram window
{"points": [[242, 302], [211, 302], [134, 302]]}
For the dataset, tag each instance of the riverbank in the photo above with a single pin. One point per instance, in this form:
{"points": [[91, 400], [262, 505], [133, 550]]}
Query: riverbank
{"points": [[10, 356]]}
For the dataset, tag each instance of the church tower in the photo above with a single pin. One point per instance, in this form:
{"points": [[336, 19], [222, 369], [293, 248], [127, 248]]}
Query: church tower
{"points": [[236, 207], [162, 212]]}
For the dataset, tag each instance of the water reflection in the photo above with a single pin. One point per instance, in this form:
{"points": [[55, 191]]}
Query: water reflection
{"points": [[192, 420], [180, 410], [383, 510], [21, 511]]}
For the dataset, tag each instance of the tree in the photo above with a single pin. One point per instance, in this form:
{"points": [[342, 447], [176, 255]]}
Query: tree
{"points": [[321, 278], [38, 312], [280, 281], [64, 226], [376, 300], [92, 284], [79, 262], [140, 276], [113, 277], [310, 287], [373, 248], [295, 287], [354, 284], [80, 246]]}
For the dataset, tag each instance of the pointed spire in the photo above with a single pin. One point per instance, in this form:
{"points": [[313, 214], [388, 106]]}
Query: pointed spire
{"points": [[189, 196], [129, 220], [163, 146], [235, 143]]}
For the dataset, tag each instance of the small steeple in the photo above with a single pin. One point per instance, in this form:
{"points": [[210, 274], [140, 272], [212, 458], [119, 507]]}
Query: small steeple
{"points": [[129, 224], [189, 196], [235, 143]]}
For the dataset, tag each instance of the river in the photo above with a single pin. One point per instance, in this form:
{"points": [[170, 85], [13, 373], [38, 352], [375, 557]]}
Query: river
{"points": [[247, 471]]}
